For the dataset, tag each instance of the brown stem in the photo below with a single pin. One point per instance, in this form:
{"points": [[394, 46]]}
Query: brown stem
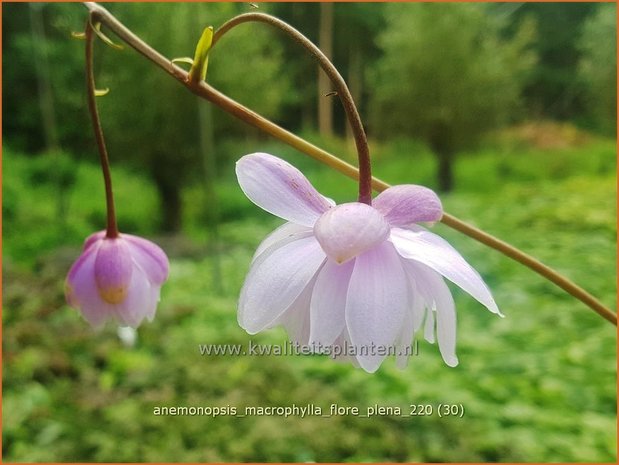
{"points": [[112, 228], [250, 117], [363, 151]]}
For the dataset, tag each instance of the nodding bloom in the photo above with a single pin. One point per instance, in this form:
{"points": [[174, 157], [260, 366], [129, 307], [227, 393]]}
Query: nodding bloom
{"points": [[117, 278], [353, 280]]}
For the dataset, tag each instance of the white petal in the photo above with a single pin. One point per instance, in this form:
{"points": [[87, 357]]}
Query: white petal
{"points": [[341, 350], [296, 319], [279, 188], [276, 279], [423, 246], [350, 229], [284, 231], [376, 303], [127, 335], [329, 302], [404, 341], [141, 300], [418, 302], [438, 296], [429, 327]]}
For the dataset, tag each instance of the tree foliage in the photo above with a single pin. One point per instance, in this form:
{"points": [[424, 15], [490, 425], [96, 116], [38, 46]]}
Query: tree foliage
{"points": [[554, 90], [598, 65], [447, 75], [153, 122]]}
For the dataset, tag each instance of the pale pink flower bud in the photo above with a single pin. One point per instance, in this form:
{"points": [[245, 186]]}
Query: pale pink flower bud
{"points": [[117, 279]]}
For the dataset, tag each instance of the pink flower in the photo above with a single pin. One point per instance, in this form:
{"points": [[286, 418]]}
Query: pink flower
{"points": [[354, 277], [117, 278]]}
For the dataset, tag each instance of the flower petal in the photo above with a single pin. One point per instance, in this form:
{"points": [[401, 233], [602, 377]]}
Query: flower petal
{"points": [[350, 229], [284, 231], [407, 204], [341, 350], [438, 296], [376, 304], [149, 257], [423, 246], [279, 188], [296, 319], [329, 302], [81, 290], [113, 269], [141, 301], [276, 279], [429, 327], [93, 238], [405, 340]]}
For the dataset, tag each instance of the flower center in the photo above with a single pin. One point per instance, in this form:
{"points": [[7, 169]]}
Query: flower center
{"points": [[113, 295], [350, 229]]}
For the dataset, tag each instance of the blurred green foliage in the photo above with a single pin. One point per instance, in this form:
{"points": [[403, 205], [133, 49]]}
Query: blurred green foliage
{"points": [[598, 68], [472, 77], [469, 81], [538, 385]]}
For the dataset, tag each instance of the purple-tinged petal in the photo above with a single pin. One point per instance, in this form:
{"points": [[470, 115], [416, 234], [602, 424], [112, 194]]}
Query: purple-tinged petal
{"points": [[350, 229], [286, 230], [327, 314], [405, 340], [421, 245], [113, 269], [340, 350], [81, 290], [279, 188], [83, 266], [438, 296], [140, 302], [149, 257], [276, 279], [376, 304], [412, 322], [407, 204], [429, 327], [296, 318], [93, 238], [418, 309]]}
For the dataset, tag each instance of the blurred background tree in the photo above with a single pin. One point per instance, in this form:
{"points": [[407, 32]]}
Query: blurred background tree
{"points": [[162, 133], [73, 396], [553, 90], [480, 75], [598, 66], [450, 93]]}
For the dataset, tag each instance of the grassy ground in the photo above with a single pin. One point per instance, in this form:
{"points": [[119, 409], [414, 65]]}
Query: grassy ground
{"points": [[538, 385]]}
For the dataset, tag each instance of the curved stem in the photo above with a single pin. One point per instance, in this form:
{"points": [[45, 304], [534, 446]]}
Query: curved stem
{"points": [[207, 92], [112, 228], [361, 142]]}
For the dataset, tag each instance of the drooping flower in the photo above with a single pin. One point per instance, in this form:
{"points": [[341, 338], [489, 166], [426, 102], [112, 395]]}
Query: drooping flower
{"points": [[117, 278], [356, 277]]}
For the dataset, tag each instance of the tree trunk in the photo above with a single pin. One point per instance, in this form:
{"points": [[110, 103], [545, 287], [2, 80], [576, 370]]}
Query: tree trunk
{"points": [[325, 42], [441, 143], [62, 179], [445, 170], [169, 194]]}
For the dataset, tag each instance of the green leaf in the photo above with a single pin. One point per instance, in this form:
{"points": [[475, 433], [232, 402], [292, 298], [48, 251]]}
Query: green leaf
{"points": [[200, 61], [97, 28], [183, 60]]}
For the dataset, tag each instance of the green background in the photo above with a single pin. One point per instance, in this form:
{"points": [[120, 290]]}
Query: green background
{"points": [[538, 385]]}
